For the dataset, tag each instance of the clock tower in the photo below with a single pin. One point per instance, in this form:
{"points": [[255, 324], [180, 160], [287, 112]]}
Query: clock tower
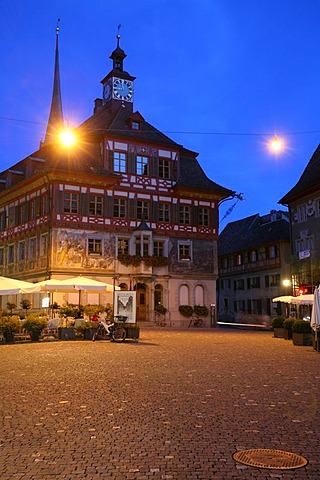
{"points": [[118, 84]]}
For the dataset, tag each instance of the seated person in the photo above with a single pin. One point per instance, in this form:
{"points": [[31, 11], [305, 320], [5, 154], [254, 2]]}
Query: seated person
{"points": [[95, 318]]}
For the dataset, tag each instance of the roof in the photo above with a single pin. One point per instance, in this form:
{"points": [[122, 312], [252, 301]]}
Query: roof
{"points": [[105, 122], [308, 182], [252, 232], [191, 175]]}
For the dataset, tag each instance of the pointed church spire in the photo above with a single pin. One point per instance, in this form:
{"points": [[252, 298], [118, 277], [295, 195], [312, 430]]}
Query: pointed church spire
{"points": [[55, 122]]}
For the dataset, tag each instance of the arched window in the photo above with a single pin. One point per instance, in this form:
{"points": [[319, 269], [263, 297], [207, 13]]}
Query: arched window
{"points": [[123, 286], [199, 295], [158, 295], [184, 295]]}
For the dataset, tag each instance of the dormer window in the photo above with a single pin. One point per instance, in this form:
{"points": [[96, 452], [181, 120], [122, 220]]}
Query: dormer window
{"points": [[135, 125]]}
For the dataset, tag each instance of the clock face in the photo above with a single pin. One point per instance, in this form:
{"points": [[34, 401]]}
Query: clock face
{"points": [[122, 89], [106, 91]]}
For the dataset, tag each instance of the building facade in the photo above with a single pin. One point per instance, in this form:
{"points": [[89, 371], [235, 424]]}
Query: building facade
{"points": [[254, 268], [125, 204], [303, 202]]}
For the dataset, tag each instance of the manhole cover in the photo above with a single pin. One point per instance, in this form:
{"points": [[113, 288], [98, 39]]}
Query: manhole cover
{"points": [[267, 458]]}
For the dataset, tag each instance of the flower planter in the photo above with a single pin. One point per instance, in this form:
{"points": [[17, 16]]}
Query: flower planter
{"points": [[278, 332], [302, 339], [287, 334], [88, 333], [132, 331], [35, 336], [66, 333]]}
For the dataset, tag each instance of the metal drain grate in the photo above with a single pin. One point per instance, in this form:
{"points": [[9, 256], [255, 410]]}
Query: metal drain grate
{"points": [[272, 459]]}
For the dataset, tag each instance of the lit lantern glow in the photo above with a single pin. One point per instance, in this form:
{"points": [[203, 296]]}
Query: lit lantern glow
{"points": [[67, 138], [276, 144]]}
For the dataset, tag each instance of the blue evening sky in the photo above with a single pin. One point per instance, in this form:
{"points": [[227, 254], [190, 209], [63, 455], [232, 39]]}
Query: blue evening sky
{"points": [[220, 77]]}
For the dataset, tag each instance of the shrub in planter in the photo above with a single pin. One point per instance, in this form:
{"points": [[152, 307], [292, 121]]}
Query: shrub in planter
{"points": [[186, 310], [201, 310], [287, 326], [34, 324], [161, 309], [277, 322], [9, 326], [301, 332]]}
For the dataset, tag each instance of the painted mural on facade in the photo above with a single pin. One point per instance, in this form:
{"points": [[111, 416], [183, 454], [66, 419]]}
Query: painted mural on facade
{"points": [[72, 250]]}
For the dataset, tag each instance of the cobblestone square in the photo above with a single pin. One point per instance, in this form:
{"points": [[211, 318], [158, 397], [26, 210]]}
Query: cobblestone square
{"points": [[175, 405]]}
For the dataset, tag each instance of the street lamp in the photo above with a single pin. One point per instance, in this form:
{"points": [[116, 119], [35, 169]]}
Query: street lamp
{"points": [[276, 145]]}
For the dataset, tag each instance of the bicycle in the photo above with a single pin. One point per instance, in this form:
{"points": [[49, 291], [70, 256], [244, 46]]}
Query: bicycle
{"points": [[195, 321], [113, 331]]}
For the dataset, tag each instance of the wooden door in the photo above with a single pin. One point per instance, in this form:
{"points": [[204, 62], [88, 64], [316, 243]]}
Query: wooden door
{"points": [[141, 302]]}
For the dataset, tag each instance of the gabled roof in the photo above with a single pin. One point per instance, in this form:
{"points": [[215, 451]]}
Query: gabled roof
{"points": [[309, 181], [104, 122], [252, 232]]}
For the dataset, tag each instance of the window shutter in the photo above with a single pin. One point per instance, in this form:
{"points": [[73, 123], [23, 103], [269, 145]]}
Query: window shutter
{"points": [[267, 280], [131, 208], [84, 203], [108, 206], [195, 215], [131, 162]]}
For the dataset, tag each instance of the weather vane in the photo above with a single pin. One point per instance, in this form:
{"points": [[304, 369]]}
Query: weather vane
{"points": [[118, 35], [57, 27]]}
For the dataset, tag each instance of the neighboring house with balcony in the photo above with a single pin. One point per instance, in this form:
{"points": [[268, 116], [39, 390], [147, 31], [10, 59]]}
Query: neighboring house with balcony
{"points": [[254, 260], [303, 202]]}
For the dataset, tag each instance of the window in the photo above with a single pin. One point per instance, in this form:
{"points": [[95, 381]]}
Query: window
{"points": [[158, 248], [142, 210], [135, 125], [123, 246], [11, 253], [21, 251], [184, 251], [184, 295], [158, 295], [1, 256], [95, 205], [119, 162], [45, 205], [204, 216], [23, 213], [199, 295], [142, 243], [119, 208], [34, 208], [238, 284], [253, 256], [274, 280], [302, 213], [94, 246], [272, 251], [164, 212], [32, 247], [184, 215], [44, 245], [142, 165], [164, 168], [71, 202], [253, 282], [2, 220], [11, 217], [239, 259]]}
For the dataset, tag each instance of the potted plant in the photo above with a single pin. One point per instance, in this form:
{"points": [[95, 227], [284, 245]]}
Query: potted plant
{"points": [[160, 315], [277, 325], [25, 304], [34, 324], [301, 332], [11, 307], [186, 310], [9, 325], [201, 310], [287, 328]]}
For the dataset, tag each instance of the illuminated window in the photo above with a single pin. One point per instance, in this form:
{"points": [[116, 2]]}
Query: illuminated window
{"points": [[158, 248], [184, 251], [123, 246], [142, 165], [119, 162], [142, 244]]}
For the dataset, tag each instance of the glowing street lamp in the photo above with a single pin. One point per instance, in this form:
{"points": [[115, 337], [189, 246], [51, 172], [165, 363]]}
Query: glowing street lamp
{"points": [[67, 138], [276, 144]]}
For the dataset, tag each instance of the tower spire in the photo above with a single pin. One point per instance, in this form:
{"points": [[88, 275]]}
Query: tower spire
{"points": [[55, 122]]}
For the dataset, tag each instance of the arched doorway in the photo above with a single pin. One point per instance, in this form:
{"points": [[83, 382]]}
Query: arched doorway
{"points": [[141, 290]]}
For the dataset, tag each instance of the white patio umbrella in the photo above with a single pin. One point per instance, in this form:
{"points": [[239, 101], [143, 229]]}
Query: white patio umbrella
{"points": [[315, 314], [284, 299], [11, 286]]}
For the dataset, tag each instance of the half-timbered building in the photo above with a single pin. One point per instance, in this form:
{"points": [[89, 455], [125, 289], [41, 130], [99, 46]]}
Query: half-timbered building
{"points": [[125, 204]]}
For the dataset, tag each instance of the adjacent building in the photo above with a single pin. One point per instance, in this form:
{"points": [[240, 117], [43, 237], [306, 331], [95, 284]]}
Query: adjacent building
{"points": [[254, 267], [126, 205], [303, 202]]}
